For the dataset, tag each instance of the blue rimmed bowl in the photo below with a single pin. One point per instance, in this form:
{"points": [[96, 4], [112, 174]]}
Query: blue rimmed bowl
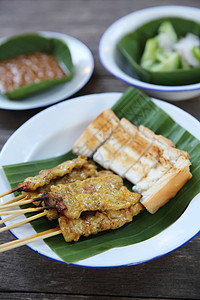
{"points": [[117, 65]]}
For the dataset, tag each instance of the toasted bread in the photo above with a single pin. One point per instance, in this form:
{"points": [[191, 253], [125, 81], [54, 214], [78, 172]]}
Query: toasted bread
{"points": [[129, 154], [148, 160], [144, 164], [119, 137], [167, 186], [160, 138], [96, 133]]}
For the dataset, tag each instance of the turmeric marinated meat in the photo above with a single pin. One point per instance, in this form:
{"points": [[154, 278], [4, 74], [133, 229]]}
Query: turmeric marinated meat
{"points": [[85, 200], [45, 176], [101, 193], [86, 171], [92, 223]]}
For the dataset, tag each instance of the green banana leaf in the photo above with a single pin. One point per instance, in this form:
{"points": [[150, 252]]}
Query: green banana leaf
{"points": [[131, 47], [30, 43], [139, 109]]}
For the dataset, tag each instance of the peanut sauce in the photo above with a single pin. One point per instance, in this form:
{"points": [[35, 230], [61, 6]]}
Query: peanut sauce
{"points": [[28, 68]]}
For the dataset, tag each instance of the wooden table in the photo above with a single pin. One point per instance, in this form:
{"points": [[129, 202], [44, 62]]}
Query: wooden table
{"points": [[25, 274]]}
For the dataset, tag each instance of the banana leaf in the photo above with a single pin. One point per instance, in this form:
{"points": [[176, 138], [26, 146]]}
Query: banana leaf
{"points": [[131, 47], [31, 43], [139, 109]]}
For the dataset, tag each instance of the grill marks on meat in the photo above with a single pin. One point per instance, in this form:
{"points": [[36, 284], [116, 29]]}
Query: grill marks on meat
{"points": [[87, 201], [101, 193], [86, 171], [92, 223], [45, 176]]}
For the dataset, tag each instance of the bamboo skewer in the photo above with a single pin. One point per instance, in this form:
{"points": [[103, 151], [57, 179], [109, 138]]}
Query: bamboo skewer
{"points": [[9, 218], [20, 202], [20, 223], [12, 200], [22, 211], [26, 210], [29, 239], [9, 192], [13, 216]]}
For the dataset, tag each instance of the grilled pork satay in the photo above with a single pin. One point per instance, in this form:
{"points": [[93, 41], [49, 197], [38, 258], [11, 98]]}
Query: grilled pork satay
{"points": [[98, 193], [45, 176], [88, 186], [94, 222], [86, 171], [90, 194], [110, 199]]}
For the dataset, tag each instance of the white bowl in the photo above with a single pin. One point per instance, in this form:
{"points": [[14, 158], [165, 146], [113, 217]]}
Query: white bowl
{"points": [[110, 58]]}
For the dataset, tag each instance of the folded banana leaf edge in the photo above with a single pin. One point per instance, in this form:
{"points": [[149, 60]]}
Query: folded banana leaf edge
{"points": [[131, 47], [139, 109], [31, 43]]}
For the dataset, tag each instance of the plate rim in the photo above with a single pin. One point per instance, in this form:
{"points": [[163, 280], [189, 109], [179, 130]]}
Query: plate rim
{"points": [[131, 80], [92, 96], [19, 105]]}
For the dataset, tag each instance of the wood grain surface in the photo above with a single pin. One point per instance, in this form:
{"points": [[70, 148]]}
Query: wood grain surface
{"points": [[25, 274]]}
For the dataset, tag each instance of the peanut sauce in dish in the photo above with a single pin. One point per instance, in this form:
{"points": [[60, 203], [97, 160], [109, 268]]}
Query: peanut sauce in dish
{"points": [[28, 68]]}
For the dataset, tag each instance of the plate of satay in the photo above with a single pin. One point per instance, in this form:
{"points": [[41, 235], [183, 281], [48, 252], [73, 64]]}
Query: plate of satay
{"points": [[112, 181], [42, 68]]}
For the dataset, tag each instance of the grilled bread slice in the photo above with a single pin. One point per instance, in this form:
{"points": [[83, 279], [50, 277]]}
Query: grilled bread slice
{"points": [[168, 156], [156, 137], [167, 186], [120, 136], [96, 133], [144, 164], [151, 157], [146, 159]]}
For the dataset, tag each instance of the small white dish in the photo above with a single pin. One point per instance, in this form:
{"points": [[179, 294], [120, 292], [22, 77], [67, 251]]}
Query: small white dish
{"points": [[83, 68], [110, 58], [41, 138]]}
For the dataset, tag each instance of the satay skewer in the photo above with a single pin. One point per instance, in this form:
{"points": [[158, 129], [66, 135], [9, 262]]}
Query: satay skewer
{"points": [[21, 211], [45, 176], [9, 192], [10, 205], [9, 218], [12, 200], [25, 210], [25, 221], [20, 201], [30, 239]]}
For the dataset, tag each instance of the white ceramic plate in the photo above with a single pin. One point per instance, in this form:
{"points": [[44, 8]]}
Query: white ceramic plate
{"points": [[52, 132], [111, 60], [83, 68]]}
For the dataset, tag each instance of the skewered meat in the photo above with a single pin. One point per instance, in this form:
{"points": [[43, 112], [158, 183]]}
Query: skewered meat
{"points": [[88, 186], [86, 171], [103, 193], [45, 176], [94, 222]]}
